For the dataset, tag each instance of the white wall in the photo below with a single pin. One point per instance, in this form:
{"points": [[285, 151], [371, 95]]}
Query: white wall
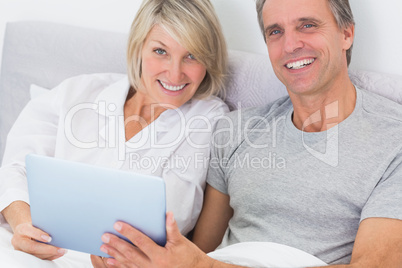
{"points": [[378, 32], [100, 14], [118, 15], [378, 43]]}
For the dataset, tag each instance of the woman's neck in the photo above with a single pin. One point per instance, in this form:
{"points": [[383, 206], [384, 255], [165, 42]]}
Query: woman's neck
{"points": [[139, 112]]}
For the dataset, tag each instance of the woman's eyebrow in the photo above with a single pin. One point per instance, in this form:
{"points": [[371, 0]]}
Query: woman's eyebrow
{"points": [[160, 42]]}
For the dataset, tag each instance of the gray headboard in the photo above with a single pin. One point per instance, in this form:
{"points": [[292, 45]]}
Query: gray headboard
{"points": [[45, 53]]}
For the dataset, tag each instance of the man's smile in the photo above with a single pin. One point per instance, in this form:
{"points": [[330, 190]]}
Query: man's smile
{"points": [[299, 64]]}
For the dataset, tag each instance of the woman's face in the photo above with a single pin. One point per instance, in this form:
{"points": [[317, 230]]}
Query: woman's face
{"points": [[170, 74]]}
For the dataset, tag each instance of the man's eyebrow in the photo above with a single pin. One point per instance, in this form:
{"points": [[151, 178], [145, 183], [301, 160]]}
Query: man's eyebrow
{"points": [[270, 27], [303, 19], [312, 19]]}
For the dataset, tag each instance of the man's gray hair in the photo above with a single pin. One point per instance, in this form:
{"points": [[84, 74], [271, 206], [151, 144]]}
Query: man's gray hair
{"points": [[340, 9]]}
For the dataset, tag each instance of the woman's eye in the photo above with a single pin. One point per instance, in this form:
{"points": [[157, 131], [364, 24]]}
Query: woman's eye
{"points": [[191, 57], [160, 51]]}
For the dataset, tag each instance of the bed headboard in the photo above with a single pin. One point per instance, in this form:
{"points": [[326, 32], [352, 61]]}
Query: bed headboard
{"points": [[45, 53]]}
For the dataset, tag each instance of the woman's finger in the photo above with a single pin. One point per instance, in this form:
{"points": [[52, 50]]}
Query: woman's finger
{"points": [[26, 229], [40, 250], [26, 239]]}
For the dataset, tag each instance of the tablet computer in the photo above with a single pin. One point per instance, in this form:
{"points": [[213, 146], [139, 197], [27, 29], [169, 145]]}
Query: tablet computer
{"points": [[76, 203]]}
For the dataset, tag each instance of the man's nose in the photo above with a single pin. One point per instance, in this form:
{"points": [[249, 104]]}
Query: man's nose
{"points": [[293, 41]]}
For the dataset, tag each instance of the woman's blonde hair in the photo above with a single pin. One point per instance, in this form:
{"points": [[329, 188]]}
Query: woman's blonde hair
{"points": [[193, 24]]}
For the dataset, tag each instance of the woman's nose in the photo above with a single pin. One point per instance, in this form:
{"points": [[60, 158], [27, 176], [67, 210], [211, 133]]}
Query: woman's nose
{"points": [[175, 71]]}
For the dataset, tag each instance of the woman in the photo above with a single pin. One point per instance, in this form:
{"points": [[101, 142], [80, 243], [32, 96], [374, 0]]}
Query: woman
{"points": [[157, 121]]}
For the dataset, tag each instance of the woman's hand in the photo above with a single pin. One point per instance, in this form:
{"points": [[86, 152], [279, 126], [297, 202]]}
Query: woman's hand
{"points": [[178, 251], [26, 238]]}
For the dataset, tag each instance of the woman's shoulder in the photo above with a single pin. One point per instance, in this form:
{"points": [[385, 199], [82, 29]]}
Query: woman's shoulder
{"points": [[84, 88], [88, 83], [211, 105]]}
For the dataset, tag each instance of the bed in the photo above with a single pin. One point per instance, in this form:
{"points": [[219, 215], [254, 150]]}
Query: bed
{"points": [[39, 55]]}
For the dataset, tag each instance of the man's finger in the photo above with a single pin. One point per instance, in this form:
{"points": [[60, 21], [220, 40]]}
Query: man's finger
{"points": [[172, 230], [98, 262], [140, 240]]}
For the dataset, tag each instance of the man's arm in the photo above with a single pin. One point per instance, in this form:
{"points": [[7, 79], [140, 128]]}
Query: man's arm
{"points": [[213, 221], [378, 244]]}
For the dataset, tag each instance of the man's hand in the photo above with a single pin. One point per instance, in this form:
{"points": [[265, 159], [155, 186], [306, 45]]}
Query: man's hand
{"points": [[99, 262], [178, 251]]}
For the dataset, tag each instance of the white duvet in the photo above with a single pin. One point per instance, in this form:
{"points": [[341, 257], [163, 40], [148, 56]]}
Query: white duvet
{"points": [[265, 254], [11, 258], [250, 254]]}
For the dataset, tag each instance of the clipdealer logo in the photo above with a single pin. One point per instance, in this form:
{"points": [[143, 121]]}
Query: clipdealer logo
{"points": [[331, 154], [114, 130], [109, 130]]}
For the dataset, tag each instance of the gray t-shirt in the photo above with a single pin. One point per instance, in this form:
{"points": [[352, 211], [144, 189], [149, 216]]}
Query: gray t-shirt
{"points": [[309, 190]]}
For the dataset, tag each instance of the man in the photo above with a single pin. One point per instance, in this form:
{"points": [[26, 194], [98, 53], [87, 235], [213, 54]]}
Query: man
{"points": [[338, 189]]}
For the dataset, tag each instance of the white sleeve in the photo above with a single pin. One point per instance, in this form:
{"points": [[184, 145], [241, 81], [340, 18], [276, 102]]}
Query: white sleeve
{"points": [[189, 163], [34, 131]]}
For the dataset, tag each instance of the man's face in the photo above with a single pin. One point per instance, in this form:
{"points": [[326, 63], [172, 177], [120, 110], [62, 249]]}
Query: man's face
{"points": [[305, 45]]}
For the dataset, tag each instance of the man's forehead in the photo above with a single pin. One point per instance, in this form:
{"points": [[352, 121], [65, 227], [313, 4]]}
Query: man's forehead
{"points": [[293, 11]]}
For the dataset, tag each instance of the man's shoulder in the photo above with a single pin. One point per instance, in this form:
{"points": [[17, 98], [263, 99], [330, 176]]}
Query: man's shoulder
{"points": [[266, 112], [382, 109], [233, 128]]}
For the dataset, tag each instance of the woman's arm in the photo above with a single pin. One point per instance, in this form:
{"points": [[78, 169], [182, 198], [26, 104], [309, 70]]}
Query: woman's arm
{"points": [[213, 221], [26, 236], [16, 213]]}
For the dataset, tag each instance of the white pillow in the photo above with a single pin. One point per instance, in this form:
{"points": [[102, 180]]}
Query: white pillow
{"points": [[35, 91]]}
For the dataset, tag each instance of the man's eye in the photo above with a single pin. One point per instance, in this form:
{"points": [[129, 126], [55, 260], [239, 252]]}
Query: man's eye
{"points": [[160, 51], [275, 32], [308, 26]]}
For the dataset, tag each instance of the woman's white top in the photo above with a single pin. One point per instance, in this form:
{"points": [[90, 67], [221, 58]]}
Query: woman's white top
{"points": [[82, 120]]}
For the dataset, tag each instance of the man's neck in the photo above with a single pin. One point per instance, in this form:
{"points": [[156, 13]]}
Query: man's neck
{"points": [[324, 110]]}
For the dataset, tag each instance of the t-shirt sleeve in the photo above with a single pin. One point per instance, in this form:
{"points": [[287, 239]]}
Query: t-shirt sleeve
{"points": [[217, 170], [386, 198]]}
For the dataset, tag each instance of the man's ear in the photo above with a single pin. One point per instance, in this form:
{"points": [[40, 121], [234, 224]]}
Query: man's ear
{"points": [[349, 36]]}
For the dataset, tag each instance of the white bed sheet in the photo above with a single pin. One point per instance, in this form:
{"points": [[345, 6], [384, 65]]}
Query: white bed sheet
{"points": [[250, 254], [265, 254], [11, 258]]}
